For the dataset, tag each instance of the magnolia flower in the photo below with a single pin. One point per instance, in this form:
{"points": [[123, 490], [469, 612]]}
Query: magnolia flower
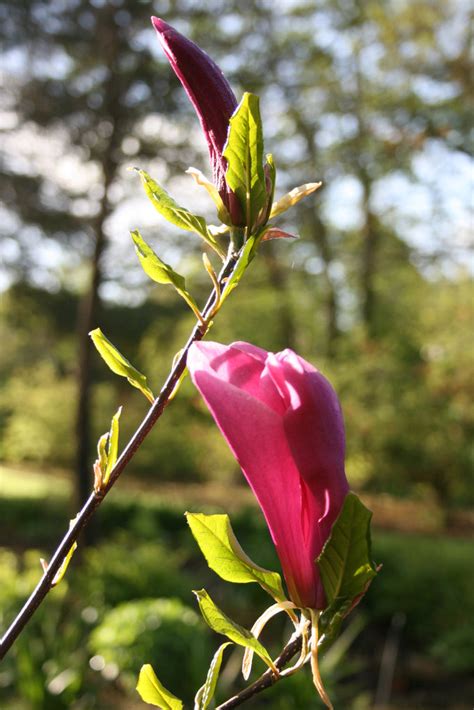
{"points": [[212, 98], [283, 423]]}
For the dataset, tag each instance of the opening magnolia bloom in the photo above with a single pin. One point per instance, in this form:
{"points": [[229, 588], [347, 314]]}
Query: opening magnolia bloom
{"points": [[283, 423], [212, 98]]}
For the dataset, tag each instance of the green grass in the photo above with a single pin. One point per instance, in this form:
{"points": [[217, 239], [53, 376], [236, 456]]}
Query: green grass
{"points": [[144, 550], [23, 483]]}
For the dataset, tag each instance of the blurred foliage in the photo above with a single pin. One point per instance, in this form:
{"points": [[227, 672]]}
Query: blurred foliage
{"points": [[118, 607], [405, 395], [422, 578], [163, 632]]}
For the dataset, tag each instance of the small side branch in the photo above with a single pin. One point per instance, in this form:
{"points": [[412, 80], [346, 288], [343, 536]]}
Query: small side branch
{"points": [[94, 500], [267, 679]]}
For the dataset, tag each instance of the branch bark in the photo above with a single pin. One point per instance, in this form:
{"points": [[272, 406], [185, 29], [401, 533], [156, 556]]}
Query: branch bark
{"points": [[266, 680], [94, 500]]}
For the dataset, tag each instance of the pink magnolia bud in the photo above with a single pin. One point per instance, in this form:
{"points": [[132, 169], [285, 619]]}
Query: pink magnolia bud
{"points": [[212, 98], [283, 423]]}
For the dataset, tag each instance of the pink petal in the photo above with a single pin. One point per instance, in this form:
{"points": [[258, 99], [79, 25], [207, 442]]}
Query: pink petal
{"points": [[315, 432], [251, 349], [256, 436], [283, 422], [242, 365], [230, 364]]}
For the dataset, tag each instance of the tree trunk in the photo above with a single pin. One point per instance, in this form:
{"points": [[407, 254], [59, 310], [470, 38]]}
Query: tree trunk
{"points": [[369, 263], [278, 278], [88, 312], [320, 237], [370, 236], [319, 234], [90, 306], [87, 320]]}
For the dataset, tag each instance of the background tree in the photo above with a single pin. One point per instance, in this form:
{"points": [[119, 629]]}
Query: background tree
{"points": [[82, 82], [363, 96]]}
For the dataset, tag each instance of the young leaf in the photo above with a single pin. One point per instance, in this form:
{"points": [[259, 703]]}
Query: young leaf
{"points": [[215, 282], [247, 253], [171, 211], [152, 691], [119, 364], [276, 233], [315, 670], [100, 464], [65, 563], [102, 452], [202, 180], [224, 555], [270, 182], [153, 266], [345, 562], [292, 197], [206, 691], [112, 448], [107, 450], [162, 273], [218, 231], [260, 624], [244, 154], [221, 624]]}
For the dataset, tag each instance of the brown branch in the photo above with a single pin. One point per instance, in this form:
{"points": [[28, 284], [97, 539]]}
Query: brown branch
{"points": [[266, 680], [94, 500]]}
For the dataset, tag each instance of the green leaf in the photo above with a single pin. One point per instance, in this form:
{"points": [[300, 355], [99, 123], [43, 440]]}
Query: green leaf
{"points": [[270, 175], [112, 448], [244, 154], [221, 624], [202, 180], [206, 691], [293, 197], [107, 451], [174, 213], [65, 563], [219, 231], [160, 272], [345, 562], [153, 266], [102, 452], [224, 555], [152, 691], [119, 364], [246, 255]]}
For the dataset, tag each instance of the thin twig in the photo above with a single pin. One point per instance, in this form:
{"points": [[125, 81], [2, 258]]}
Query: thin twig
{"points": [[267, 679], [95, 499]]}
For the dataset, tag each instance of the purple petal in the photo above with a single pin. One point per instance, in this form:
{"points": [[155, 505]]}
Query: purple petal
{"points": [[210, 94], [315, 433], [252, 422]]}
